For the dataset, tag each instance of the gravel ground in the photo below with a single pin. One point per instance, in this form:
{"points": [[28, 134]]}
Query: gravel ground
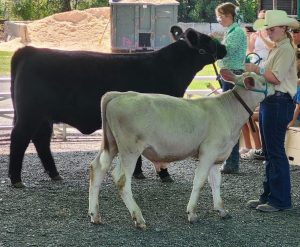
{"points": [[48, 213]]}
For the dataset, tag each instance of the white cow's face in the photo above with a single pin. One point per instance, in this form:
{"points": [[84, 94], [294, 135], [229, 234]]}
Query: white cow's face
{"points": [[250, 81]]}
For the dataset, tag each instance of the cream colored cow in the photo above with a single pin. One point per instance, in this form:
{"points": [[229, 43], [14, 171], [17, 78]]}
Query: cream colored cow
{"points": [[165, 129]]}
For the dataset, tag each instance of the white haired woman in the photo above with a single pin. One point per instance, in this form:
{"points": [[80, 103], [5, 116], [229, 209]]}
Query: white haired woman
{"points": [[276, 111]]}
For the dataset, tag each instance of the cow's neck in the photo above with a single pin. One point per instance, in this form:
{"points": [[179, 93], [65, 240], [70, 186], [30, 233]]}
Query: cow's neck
{"points": [[233, 106], [181, 58]]}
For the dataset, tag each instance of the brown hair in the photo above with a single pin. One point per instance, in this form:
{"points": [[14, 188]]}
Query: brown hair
{"points": [[288, 34], [226, 9]]}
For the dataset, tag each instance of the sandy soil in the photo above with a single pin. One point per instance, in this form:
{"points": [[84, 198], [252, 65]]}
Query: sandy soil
{"points": [[74, 30]]}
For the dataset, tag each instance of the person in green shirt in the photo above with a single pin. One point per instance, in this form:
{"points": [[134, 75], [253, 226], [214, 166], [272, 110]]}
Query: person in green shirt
{"points": [[235, 41]]}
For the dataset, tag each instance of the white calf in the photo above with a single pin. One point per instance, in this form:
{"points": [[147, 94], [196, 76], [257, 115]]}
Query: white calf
{"points": [[165, 129]]}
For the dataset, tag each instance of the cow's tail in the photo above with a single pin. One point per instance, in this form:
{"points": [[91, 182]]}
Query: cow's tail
{"points": [[13, 70], [16, 60], [106, 98]]}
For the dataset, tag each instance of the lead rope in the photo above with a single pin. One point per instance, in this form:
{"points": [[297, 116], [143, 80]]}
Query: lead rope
{"points": [[247, 109], [218, 78]]}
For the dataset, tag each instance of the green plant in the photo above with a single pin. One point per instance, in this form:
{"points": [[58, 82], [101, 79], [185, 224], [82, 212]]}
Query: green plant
{"points": [[37, 9], [248, 10], [204, 10]]}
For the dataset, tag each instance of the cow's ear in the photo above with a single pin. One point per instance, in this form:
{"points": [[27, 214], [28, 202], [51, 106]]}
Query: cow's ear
{"points": [[228, 75], [249, 82], [176, 32], [191, 37]]}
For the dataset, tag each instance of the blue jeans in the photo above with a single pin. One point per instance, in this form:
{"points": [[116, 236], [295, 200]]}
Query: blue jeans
{"points": [[275, 113], [233, 160]]}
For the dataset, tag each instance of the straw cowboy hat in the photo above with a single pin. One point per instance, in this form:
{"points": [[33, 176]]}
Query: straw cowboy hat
{"points": [[275, 18]]}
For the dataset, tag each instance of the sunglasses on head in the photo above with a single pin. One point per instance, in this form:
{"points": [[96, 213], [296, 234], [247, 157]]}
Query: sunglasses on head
{"points": [[295, 31]]}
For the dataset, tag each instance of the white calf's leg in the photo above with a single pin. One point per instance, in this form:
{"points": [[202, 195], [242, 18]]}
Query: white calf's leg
{"points": [[98, 169], [201, 174], [122, 175], [214, 180]]}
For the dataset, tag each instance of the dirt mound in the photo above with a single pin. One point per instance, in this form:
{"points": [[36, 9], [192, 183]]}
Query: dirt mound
{"points": [[74, 30]]}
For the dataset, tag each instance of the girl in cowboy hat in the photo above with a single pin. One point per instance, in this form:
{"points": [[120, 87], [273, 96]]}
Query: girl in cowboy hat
{"points": [[276, 111]]}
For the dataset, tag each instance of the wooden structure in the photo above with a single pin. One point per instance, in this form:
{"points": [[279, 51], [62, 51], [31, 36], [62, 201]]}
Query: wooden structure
{"points": [[290, 6]]}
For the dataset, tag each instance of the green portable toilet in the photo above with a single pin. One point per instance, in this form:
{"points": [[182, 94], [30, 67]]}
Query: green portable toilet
{"points": [[141, 25]]}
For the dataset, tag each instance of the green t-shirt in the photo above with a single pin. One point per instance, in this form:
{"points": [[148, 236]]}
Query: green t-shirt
{"points": [[235, 41]]}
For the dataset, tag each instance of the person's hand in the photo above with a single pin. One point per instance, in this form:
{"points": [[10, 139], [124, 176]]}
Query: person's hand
{"points": [[291, 124], [210, 86], [253, 36], [251, 67], [259, 34], [248, 34]]}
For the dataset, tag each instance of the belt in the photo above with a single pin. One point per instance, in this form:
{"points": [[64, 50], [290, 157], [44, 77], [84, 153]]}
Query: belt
{"points": [[278, 93]]}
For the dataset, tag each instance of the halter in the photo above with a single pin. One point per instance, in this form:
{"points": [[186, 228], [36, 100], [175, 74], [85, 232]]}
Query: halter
{"points": [[203, 51], [265, 92], [214, 56]]}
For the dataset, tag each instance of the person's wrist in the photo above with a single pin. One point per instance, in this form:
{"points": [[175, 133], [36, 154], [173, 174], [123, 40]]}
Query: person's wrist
{"points": [[256, 69], [261, 70]]}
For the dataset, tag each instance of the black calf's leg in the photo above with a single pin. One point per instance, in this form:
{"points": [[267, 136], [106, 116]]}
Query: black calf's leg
{"points": [[19, 140], [163, 173], [165, 176], [138, 173], [41, 142]]}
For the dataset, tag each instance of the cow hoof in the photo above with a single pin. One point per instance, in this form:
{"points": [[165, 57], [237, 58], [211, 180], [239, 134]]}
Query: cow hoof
{"points": [[224, 214], [95, 219], [192, 218], [18, 185], [141, 226], [96, 222], [167, 179], [57, 178]]}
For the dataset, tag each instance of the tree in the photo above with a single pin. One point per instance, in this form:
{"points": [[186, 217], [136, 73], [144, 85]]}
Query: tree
{"points": [[204, 10], [66, 5], [37, 9]]}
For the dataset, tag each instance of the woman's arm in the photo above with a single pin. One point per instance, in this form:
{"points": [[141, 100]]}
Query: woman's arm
{"points": [[296, 114], [251, 37], [267, 74], [268, 43]]}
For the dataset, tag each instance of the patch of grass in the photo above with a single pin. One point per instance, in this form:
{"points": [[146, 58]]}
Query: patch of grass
{"points": [[5, 57], [207, 70]]}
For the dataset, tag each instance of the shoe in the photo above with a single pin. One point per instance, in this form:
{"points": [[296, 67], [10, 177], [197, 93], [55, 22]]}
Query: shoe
{"points": [[244, 150], [249, 155], [254, 203], [259, 154], [228, 170], [267, 208]]}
